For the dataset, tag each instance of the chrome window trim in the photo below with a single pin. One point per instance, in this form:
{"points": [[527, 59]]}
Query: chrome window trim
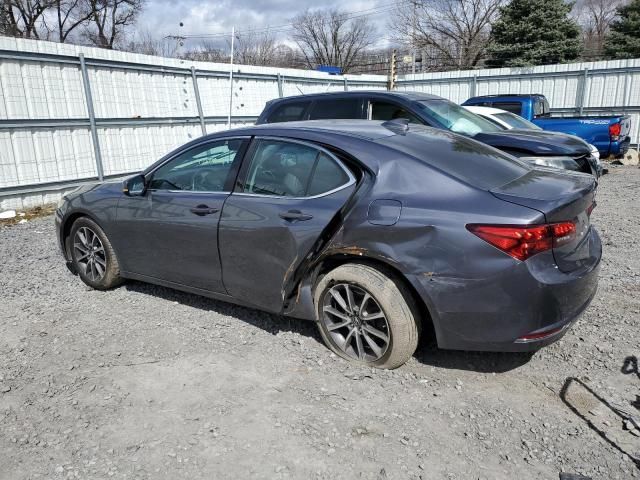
{"points": [[350, 182], [173, 157], [193, 192]]}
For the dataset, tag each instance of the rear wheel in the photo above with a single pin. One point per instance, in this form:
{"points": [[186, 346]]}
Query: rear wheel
{"points": [[365, 316], [93, 256]]}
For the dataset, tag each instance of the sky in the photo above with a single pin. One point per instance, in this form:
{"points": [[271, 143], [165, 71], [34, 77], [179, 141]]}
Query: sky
{"points": [[201, 17]]}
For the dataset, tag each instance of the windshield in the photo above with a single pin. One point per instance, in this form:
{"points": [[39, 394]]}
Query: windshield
{"points": [[455, 118], [516, 121]]}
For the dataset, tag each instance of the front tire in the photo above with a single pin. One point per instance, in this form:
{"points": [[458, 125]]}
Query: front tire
{"points": [[366, 317], [93, 256]]}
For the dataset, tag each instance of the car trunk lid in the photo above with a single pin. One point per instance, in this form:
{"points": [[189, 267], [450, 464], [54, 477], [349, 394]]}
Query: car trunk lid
{"points": [[561, 197]]}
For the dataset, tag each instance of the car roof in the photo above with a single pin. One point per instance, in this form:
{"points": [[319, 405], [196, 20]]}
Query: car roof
{"points": [[405, 95], [362, 129]]}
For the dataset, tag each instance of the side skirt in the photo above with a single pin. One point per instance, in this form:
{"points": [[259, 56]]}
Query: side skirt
{"points": [[196, 291]]}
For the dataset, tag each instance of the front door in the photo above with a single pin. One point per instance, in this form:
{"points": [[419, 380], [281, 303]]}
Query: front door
{"points": [[171, 233], [288, 193]]}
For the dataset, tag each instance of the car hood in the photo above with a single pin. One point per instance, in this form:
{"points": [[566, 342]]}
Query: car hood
{"points": [[536, 142]]}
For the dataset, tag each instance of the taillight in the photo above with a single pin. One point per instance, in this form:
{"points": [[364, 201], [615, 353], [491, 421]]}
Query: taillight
{"points": [[521, 242], [614, 131]]}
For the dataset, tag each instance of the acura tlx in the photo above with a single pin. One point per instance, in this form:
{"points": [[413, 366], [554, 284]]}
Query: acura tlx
{"points": [[378, 232]]}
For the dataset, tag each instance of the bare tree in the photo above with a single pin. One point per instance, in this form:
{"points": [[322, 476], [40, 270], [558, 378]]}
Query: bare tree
{"points": [[109, 19], [69, 15], [330, 37], [148, 44], [454, 33], [595, 17], [5, 22], [253, 49], [207, 51], [25, 18]]}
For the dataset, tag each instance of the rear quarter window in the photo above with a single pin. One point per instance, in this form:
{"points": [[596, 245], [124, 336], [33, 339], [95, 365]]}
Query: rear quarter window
{"points": [[513, 107], [336, 109], [289, 112], [472, 162]]}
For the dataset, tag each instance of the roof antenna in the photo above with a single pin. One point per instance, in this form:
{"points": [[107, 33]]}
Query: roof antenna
{"points": [[399, 126]]}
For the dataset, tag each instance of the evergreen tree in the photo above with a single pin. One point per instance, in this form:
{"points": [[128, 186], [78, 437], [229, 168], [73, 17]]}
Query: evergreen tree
{"points": [[534, 32], [624, 39]]}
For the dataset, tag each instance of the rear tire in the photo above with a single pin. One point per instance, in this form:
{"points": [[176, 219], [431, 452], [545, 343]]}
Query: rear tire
{"points": [[366, 317], [93, 256]]}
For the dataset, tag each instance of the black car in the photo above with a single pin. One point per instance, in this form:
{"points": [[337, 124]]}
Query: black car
{"points": [[538, 147], [368, 229]]}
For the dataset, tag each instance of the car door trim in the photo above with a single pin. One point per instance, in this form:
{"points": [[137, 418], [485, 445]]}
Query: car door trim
{"points": [[248, 157]]}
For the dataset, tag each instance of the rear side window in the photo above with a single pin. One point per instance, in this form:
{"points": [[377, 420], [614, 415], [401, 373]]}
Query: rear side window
{"points": [[347, 108], [541, 107], [286, 169], [513, 107], [328, 175], [289, 112]]}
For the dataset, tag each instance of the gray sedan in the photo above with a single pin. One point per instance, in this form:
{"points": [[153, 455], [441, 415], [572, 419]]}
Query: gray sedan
{"points": [[379, 232]]}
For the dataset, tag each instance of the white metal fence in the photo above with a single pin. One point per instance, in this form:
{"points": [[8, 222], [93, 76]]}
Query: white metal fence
{"points": [[70, 113]]}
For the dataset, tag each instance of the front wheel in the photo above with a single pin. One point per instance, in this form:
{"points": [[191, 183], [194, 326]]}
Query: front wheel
{"points": [[366, 317], [93, 256]]}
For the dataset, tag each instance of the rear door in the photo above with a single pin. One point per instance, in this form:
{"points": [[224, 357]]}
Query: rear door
{"points": [[171, 233], [287, 194]]}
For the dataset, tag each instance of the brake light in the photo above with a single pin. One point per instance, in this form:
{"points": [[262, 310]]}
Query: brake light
{"points": [[614, 131], [522, 242]]}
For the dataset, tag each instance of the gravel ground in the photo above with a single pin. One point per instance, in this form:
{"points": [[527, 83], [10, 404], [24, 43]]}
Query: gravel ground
{"points": [[146, 382]]}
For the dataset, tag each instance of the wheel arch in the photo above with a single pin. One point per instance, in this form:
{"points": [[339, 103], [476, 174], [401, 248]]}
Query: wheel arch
{"points": [[68, 223], [307, 286]]}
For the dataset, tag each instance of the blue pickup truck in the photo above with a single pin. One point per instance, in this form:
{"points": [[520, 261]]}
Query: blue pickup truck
{"points": [[610, 134]]}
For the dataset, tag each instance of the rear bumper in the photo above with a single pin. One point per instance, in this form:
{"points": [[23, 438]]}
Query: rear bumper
{"points": [[620, 147], [492, 314]]}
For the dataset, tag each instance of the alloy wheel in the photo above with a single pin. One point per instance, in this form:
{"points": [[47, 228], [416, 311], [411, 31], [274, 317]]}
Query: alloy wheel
{"points": [[89, 254], [355, 322]]}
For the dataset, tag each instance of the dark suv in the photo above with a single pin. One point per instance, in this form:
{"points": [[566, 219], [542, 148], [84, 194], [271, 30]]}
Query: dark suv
{"points": [[539, 147]]}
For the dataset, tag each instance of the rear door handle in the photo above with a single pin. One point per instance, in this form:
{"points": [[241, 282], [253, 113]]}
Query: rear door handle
{"points": [[292, 215], [202, 210]]}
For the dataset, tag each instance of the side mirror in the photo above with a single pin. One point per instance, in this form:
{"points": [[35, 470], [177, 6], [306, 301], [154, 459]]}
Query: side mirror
{"points": [[135, 186]]}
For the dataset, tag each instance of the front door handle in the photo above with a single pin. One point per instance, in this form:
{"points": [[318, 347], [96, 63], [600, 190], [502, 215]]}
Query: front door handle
{"points": [[292, 215], [202, 210]]}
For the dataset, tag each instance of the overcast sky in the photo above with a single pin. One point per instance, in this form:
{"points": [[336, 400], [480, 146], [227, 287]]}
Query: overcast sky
{"points": [[163, 17]]}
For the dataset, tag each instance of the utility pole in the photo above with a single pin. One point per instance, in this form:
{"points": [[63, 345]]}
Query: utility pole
{"points": [[393, 71], [233, 34], [413, 38]]}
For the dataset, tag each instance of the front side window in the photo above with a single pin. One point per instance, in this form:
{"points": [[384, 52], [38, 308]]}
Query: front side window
{"points": [[204, 168], [285, 169], [448, 115], [347, 108], [289, 112], [390, 111]]}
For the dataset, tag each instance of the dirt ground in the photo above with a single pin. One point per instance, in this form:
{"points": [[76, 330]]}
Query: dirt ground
{"points": [[145, 382]]}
